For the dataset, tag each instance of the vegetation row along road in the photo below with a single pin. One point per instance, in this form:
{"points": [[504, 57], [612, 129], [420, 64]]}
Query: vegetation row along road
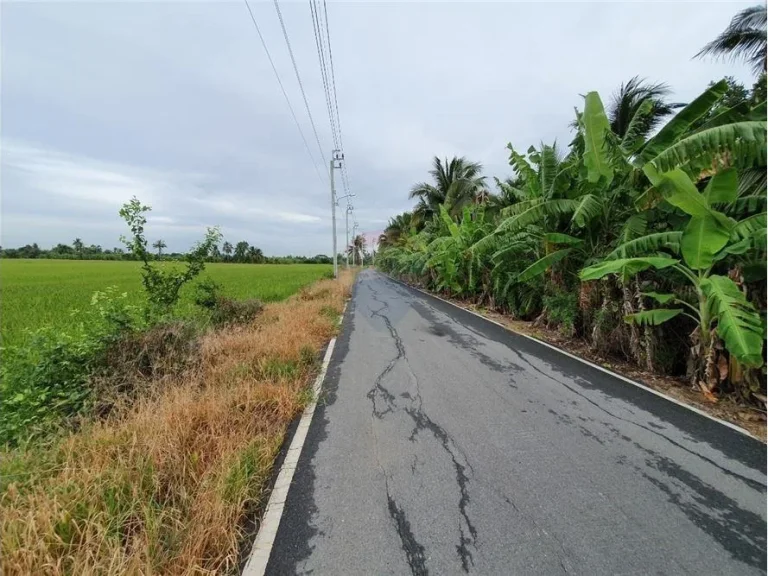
{"points": [[645, 236]]}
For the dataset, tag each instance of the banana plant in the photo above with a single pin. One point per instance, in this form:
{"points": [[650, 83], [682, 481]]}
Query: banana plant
{"points": [[709, 237], [450, 260]]}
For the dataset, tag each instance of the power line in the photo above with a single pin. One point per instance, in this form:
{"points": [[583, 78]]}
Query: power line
{"points": [[317, 27], [298, 78], [282, 88], [345, 176], [333, 74]]}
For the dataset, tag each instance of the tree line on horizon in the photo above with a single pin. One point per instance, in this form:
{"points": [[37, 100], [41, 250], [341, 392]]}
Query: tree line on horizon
{"points": [[644, 236], [241, 252]]}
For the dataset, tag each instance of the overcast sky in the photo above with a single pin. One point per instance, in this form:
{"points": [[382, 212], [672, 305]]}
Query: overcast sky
{"points": [[176, 103]]}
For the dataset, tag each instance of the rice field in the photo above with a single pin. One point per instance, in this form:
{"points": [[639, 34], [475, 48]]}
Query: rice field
{"points": [[37, 293]]}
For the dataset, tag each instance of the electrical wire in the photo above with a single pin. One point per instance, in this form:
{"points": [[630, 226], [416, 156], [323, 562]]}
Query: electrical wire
{"points": [[323, 69], [344, 174], [298, 78], [282, 88]]}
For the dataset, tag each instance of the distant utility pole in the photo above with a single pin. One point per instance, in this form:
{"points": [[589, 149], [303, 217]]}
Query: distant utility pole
{"points": [[336, 158], [349, 209]]}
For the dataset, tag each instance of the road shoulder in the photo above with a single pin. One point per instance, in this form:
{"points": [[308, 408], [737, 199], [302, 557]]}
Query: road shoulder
{"points": [[726, 411]]}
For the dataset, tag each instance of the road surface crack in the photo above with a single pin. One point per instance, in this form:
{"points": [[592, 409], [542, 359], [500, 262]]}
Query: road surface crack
{"points": [[750, 482], [467, 530], [423, 422], [414, 552]]}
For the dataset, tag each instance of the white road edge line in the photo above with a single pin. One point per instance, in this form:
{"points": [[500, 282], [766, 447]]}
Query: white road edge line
{"points": [[587, 362], [265, 538]]}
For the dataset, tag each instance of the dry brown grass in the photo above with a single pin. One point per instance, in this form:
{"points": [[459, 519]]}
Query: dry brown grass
{"points": [[164, 487]]}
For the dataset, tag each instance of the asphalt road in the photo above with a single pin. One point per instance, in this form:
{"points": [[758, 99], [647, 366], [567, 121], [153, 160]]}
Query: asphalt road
{"points": [[447, 445]]}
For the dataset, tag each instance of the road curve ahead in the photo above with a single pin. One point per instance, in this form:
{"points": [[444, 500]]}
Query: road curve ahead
{"points": [[447, 445]]}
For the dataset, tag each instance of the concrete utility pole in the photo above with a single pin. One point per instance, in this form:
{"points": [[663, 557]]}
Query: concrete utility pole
{"points": [[346, 217], [336, 157], [350, 208]]}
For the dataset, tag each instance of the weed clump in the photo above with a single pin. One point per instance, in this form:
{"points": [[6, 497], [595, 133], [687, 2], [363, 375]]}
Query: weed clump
{"points": [[224, 310]]}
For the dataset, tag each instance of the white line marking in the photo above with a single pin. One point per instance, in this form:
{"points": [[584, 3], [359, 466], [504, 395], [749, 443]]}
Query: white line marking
{"points": [[262, 546], [587, 362]]}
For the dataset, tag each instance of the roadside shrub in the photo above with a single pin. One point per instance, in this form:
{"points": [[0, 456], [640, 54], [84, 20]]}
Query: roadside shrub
{"points": [[562, 310], [207, 293], [224, 310], [230, 311], [140, 361], [46, 381]]}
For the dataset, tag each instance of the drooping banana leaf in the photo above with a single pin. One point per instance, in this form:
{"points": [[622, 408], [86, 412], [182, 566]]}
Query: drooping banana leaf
{"points": [[758, 111], [660, 298], [754, 240], [542, 264], [558, 238], [652, 317], [634, 227], [744, 143], [587, 208], [749, 226], [739, 112], [738, 323], [682, 121], [535, 213], [647, 245], [746, 205], [678, 189], [625, 267]]}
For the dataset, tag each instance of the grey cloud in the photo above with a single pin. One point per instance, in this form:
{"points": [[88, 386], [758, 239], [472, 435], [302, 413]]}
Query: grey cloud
{"points": [[176, 102]]}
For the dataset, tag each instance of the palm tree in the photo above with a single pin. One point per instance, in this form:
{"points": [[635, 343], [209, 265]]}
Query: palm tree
{"points": [[396, 227], [227, 249], [255, 255], [78, 246], [358, 247], [159, 245], [241, 251], [744, 38], [628, 109], [457, 183]]}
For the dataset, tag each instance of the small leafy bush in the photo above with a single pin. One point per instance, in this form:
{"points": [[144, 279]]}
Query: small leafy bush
{"points": [[163, 284], [207, 293], [563, 311]]}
